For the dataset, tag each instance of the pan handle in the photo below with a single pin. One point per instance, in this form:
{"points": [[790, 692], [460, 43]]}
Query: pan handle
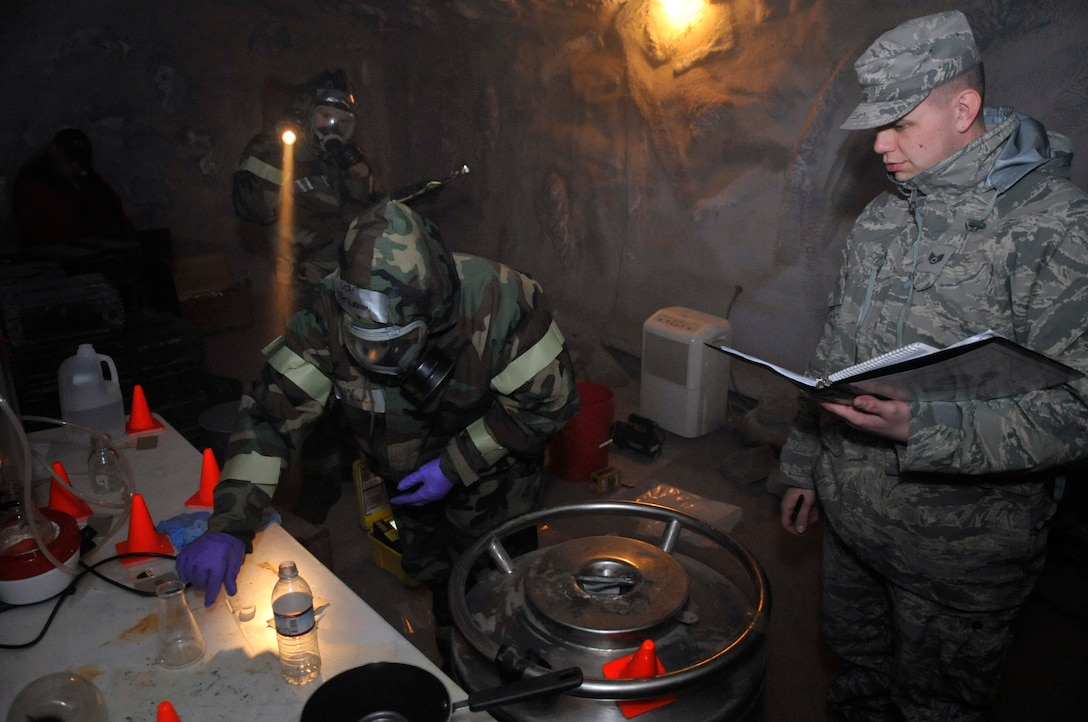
{"points": [[523, 689]]}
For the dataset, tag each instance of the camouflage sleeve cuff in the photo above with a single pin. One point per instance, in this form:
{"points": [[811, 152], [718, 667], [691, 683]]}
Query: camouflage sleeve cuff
{"points": [[936, 438], [239, 507], [452, 470], [798, 457], [793, 475], [454, 458]]}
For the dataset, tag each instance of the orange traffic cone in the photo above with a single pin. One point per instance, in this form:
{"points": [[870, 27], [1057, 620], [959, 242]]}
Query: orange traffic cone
{"points": [[140, 421], [142, 536], [643, 664], [209, 477], [62, 498], [59, 470], [167, 713]]}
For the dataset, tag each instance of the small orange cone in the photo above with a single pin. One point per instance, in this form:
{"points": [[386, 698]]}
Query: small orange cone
{"points": [[60, 471], [140, 421], [643, 664], [62, 498], [142, 536], [167, 713], [209, 477]]}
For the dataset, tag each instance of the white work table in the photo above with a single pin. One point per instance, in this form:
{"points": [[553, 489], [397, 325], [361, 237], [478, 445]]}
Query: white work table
{"points": [[109, 636]]}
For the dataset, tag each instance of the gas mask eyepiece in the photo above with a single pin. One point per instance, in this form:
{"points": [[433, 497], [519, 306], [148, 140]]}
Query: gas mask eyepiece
{"points": [[390, 350]]}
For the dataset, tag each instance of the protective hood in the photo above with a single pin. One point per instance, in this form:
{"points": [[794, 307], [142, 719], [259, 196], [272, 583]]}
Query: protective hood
{"points": [[1026, 149], [400, 259], [331, 88]]}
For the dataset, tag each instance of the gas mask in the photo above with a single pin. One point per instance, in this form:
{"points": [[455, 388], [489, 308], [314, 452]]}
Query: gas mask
{"points": [[333, 129], [332, 124], [398, 351]]}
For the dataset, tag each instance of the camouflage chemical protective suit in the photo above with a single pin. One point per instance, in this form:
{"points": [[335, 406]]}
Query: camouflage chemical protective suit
{"points": [[326, 197], [943, 538], [511, 389]]}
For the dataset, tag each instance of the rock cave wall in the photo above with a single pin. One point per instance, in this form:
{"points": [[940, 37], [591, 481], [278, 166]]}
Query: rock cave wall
{"points": [[627, 167]]}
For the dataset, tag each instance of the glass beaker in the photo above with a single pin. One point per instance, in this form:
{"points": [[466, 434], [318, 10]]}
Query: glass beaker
{"points": [[180, 640]]}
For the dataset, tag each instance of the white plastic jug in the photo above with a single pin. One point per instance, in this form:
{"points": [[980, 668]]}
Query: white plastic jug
{"points": [[87, 397]]}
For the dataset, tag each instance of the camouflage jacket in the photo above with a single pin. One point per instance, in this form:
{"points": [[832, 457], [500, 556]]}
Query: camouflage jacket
{"points": [[511, 390], [994, 237], [326, 199]]}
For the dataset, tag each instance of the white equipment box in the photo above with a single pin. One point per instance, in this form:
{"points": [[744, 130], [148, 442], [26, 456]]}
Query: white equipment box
{"points": [[685, 383]]}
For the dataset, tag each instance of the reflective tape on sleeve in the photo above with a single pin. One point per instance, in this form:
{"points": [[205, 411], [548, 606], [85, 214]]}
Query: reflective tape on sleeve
{"points": [[261, 169], [484, 442], [530, 363], [253, 467], [301, 372]]}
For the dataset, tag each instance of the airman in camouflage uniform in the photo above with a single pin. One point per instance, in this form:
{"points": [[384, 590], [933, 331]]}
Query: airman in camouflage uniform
{"points": [[937, 511], [476, 406]]}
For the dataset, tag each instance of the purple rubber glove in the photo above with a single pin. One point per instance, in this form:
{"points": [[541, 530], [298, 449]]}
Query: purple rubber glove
{"points": [[212, 560], [429, 482]]}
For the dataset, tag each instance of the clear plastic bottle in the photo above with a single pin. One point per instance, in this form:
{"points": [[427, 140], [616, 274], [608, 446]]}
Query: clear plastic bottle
{"points": [[104, 466], [296, 627]]}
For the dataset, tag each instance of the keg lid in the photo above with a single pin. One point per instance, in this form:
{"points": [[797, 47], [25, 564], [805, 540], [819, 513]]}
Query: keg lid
{"points": [[605, 585]]}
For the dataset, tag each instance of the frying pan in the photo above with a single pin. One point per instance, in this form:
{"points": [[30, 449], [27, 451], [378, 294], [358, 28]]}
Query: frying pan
{"points": [[395, 692]]}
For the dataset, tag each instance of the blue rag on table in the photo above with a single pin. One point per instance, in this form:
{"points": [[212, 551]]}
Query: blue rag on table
{"points": [[183, 528]]}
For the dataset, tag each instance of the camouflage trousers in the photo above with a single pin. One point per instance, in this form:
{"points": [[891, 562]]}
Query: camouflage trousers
{"points": [[434, 536], [902, 655]]}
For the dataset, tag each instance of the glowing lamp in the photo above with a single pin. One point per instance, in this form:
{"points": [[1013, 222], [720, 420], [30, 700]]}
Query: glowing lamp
{"points": [[682, 13]]}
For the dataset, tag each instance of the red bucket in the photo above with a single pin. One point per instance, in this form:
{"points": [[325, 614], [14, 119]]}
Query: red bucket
{"points": [[581, 447]]}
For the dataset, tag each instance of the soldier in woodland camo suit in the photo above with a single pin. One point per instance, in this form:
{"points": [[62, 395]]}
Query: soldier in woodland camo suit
{"points": [[453, 376], [331, 183], [937, 512]]}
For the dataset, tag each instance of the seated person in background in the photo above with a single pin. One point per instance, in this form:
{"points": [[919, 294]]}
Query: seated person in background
{"points": [[59, 196]]}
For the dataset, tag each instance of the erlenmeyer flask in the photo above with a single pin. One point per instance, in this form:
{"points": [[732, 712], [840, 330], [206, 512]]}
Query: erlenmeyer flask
{"points": [[180, 640]]}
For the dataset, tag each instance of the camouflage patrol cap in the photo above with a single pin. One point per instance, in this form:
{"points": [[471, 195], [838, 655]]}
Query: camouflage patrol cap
{"points": [[905, 64], [393, 251]]}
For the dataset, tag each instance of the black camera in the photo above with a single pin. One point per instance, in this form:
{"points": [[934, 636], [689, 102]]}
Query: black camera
{"points": [[638, 434]]}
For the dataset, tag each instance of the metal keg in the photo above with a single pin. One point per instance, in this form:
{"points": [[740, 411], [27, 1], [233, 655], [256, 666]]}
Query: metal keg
{"points": [[645, 572]]}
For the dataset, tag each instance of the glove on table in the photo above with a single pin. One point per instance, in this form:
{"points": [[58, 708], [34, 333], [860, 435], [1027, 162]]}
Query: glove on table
{"points": [[212, 560]]}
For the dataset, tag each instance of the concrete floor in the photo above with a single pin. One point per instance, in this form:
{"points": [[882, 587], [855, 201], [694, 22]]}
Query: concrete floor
{"points": [[1047, 671]]}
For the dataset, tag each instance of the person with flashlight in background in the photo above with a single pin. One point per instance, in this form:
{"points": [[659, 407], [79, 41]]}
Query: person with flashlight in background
{"points": [[453, 376], [313, 149], [331, 179]]}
